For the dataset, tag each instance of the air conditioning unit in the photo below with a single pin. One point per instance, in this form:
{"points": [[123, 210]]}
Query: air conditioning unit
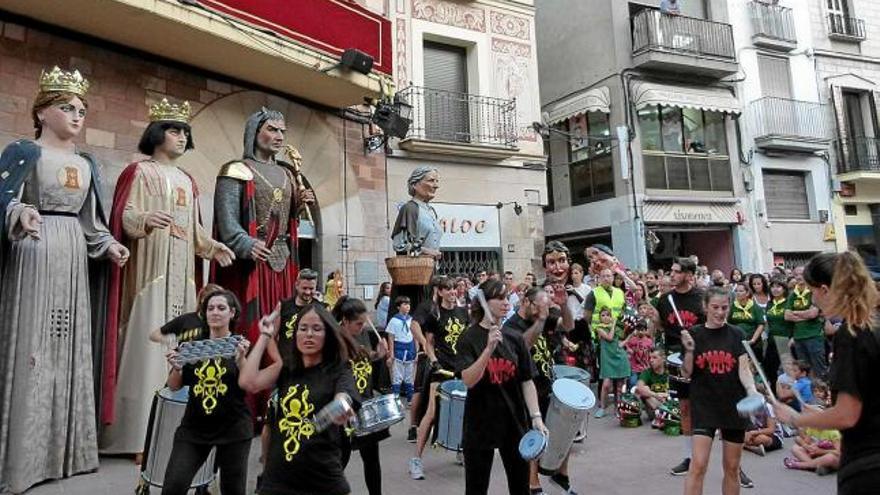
{"points": [[823, 216]]}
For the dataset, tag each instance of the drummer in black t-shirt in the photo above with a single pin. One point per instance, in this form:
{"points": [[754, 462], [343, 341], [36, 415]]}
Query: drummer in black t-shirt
{"points": [[842, 288], [721, 375], [677, 310], [442, 330], [216, 414], [535, 323], [301, 460], [496, 367], [351, 313]]}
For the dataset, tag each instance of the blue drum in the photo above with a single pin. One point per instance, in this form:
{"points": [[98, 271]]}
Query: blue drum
{"points": [[450, 420], [532, 445]]}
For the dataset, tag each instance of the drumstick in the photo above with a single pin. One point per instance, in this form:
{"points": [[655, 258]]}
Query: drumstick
{"points": [[482, 298], [375, 332], [675, 310], [760, 369]]}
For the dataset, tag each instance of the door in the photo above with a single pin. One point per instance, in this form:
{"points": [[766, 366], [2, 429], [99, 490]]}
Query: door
{"points": [[445, 98]]}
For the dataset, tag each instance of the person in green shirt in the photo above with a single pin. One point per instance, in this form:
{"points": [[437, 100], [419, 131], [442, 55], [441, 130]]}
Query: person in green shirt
{"points": [[748, 316], [778, 328], [653, 384], [808, 325]]}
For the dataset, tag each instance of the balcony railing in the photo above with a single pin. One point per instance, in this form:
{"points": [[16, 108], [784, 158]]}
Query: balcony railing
{"points": [[448, 116], [774, 117], [653, 30], [843, 27], [860, 154], [772, 21]]}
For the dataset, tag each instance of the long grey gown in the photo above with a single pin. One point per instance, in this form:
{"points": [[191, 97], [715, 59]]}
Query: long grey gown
{"points": [[47, 406]]}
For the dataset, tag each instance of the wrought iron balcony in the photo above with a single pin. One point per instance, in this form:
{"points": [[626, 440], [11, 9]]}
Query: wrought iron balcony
{"points": [[845, 28], [860, 154], [675, 42], [772, 26], [790, 125], [460, 118]]}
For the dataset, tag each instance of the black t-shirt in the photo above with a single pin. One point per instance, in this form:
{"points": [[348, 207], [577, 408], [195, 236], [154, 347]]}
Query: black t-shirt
{"points": [[490, 421], [690, 309], [715, 386], [854, 371], [541, 352], [187, 327], [447, 329], [301, 461], [216, 412]]}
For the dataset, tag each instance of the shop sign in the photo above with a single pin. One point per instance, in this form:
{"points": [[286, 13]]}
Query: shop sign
{"points": [[672, 212], [468, 226]]}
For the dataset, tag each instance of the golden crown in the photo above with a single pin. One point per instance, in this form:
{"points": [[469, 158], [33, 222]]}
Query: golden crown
{"points": [[64, 81], [168, 111]]}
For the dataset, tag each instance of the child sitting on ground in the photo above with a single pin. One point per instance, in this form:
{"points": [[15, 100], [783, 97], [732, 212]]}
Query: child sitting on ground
{"points": [[816, 450], [653, 384], [765, 434]]}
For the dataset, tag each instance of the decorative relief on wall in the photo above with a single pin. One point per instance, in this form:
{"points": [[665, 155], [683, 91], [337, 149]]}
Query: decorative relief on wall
{"points": [[400, 48], [509, 25], [450, 14], [401, 6], [511, 64]]}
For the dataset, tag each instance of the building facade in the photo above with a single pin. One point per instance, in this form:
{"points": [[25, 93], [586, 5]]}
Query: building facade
{"points": [[786, 131], [642, 114], [470, 72], [846, 51]]}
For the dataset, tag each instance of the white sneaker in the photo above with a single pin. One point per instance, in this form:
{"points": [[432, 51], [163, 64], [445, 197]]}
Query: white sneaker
{"points": [[415, 469]]}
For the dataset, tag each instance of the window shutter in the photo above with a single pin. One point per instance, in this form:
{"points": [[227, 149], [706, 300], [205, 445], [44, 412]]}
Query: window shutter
{"points": [[785, 194], [446, 105], [775, 76]]}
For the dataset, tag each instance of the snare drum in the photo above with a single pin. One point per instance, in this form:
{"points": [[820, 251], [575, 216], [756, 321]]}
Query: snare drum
{"points": [[165, 416], [679, 387], [450, 421], [379, 413]]}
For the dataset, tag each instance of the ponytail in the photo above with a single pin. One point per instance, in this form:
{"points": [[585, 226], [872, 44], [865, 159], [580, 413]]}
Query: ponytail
{"points": [[852, 294]]}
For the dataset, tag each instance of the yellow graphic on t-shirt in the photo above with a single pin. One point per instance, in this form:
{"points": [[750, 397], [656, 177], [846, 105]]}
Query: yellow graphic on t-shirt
{"points": [[294, 424], [777, 308], [454, 327], [190, 334], [801, 301], [542, 357], [660, 387], [290, 326], [210, 385], [361, 369]]}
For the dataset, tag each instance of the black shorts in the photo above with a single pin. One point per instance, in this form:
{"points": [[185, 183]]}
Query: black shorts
{"points": [[775, 445], [732, 435]]}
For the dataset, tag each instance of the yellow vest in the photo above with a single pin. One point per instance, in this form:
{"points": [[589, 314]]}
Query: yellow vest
{"points": [[616, 301]]}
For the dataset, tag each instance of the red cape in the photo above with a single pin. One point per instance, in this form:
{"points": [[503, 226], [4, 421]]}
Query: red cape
{"points": [[114, 296]]}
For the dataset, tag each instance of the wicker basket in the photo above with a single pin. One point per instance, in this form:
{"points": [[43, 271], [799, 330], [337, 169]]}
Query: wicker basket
{"points": [[410, 270]]}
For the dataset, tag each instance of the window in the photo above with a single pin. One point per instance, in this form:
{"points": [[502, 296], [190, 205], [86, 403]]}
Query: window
{"points": [[851, 210], [591, 168], [785, 193], [446, 111], [684, 149], [775, 76]]}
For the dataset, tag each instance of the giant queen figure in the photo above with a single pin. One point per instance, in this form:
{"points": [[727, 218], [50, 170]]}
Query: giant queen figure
{"points": [[156, 214], [51, 224]]}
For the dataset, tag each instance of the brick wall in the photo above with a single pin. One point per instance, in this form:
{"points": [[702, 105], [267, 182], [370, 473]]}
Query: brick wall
{"points": [[123, 85]]}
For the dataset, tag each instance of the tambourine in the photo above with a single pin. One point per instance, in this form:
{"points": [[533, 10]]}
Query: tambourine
{"points": [[202, 350]]}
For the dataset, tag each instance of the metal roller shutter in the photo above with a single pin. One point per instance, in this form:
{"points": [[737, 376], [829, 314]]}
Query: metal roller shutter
{"points": [[785, 193], [446, 107]]}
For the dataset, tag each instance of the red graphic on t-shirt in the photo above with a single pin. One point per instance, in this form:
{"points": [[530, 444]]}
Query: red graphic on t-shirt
{"points": [[719, 362], [688, 319], [500, 370]]}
